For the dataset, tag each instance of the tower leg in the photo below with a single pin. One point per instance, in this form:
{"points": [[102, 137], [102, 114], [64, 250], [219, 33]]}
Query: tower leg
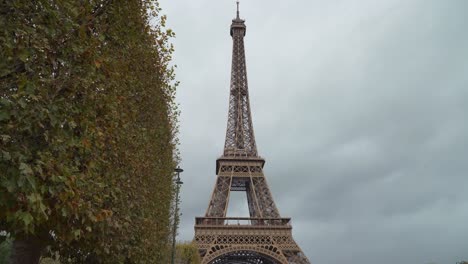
{"points": [[220, 197], [265, 200], [252, 202]]}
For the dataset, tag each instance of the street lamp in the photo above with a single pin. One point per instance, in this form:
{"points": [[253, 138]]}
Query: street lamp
{"points": [[178, 170]]}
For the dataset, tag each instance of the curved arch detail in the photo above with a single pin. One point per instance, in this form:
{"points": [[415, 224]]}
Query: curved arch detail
{"points": [[269, 252]]}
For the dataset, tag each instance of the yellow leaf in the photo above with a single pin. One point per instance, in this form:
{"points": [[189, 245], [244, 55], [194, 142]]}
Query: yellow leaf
{"points": [[97, 63]]}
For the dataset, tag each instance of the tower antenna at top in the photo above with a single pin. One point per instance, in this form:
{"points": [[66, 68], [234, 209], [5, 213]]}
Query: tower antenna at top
{"points": [[237, 2]]}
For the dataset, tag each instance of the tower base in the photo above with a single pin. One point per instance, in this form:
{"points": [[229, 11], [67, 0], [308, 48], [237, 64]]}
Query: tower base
{"points": [[252, 240]]}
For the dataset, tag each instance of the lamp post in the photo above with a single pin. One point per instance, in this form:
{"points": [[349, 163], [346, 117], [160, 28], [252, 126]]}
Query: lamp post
{"points": [[178, 170]]}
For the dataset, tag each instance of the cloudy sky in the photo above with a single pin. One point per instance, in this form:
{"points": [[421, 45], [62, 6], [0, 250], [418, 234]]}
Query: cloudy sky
{"points": [[360, 109]]}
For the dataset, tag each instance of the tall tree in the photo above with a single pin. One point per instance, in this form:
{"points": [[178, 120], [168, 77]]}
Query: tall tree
{"points": [[87, 129], [187, 253]]}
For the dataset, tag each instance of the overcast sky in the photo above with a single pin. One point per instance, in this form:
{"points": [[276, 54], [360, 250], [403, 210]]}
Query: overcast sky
{"points": [[359, 108]]}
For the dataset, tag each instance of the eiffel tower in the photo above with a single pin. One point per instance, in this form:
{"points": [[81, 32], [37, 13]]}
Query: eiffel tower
{"points": [[264, 237]]}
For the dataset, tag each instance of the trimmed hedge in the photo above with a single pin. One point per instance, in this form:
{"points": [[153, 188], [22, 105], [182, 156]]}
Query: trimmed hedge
{"points": [[87, 128]]}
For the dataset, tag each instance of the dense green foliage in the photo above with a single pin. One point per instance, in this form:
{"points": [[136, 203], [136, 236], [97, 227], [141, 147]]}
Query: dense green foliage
{"points": [[87, 124], [5, 249], [187, 253]]}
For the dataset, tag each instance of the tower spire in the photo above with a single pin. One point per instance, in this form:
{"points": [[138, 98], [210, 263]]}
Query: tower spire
{"points": [[240, 140]]}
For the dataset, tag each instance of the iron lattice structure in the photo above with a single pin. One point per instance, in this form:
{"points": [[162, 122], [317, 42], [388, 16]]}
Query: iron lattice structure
{"points": [[264, 237]]}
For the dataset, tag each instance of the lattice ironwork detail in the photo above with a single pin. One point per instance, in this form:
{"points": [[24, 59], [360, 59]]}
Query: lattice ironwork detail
{"points": [[244, 257], [246, 170], [252, 203], [265, 201], [219, 199], [240, 139], [283, 247], [263, 237], [275, 241], [296, 257], [244, 254]]}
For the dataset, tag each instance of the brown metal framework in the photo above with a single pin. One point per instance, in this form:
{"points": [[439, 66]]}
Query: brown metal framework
{"points": [[264, 237]]}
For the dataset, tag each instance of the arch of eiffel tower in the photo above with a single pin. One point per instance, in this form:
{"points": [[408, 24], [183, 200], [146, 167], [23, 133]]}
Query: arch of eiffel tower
{"points": [[264, 237]]}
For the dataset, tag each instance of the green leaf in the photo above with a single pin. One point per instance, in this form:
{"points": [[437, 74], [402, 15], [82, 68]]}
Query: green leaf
{"points": [[77, 233], [9, 184], [5, 138], [4, 102], [4, 115], [6, 155], [22, 103], [26, 217], [25, 169], [23, 55]]}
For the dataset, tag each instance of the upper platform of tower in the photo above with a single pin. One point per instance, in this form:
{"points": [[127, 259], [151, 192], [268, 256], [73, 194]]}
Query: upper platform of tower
{"points": [[238, 24]]}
